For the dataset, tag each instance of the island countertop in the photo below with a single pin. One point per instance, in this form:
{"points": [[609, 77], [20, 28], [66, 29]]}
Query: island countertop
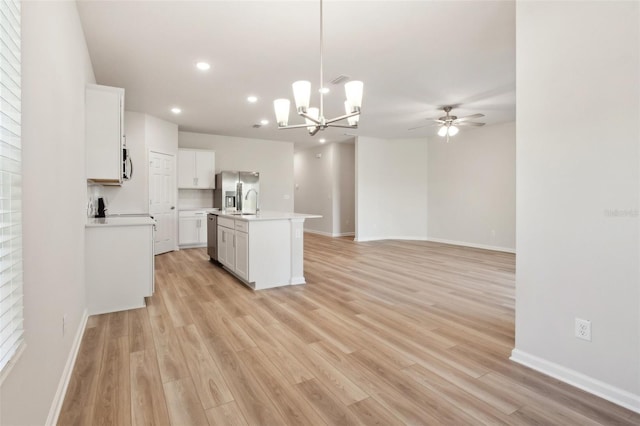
{"points": [[265, 215]]}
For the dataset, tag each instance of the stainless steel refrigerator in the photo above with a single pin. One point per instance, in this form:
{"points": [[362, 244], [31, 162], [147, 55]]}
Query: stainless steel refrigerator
{"points": [[237, 191]]}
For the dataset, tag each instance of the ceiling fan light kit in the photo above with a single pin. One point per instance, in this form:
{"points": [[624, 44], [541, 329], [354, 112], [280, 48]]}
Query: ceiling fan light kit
{"points": [[314, 117], [449, 123]]}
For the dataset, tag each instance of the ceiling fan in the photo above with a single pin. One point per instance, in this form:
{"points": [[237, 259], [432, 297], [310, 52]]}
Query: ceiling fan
{"points": [[449, 123]]}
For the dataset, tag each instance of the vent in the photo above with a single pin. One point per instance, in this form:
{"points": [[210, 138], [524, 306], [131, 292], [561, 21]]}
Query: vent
{"points": [[340, 79]]}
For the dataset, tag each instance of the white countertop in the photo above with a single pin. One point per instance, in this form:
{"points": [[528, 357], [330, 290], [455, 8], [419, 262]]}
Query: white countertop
{"points": [[266, 215], [194, 209], [120, 221]]}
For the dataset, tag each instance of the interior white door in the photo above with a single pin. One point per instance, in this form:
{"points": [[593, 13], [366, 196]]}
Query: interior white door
{"points": [[162, 199]]}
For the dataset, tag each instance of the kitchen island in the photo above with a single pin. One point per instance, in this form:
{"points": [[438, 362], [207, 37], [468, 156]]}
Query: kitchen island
{"points": [[263, 250]]}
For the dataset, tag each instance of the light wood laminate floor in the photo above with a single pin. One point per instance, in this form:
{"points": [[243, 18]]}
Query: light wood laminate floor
{"points": [[388, 332]]}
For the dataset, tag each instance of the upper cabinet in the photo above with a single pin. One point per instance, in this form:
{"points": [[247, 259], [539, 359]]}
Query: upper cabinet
{"points": [[104, 133], [196, 169]]}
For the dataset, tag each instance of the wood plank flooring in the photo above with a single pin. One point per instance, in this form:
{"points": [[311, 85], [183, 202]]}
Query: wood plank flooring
{"points": [[383, 333]]}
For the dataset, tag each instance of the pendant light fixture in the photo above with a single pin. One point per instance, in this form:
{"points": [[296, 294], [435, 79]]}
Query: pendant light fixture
{"points": [[314, 117]]}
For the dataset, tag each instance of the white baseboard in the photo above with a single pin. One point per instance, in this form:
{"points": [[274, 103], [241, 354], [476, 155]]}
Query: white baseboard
{"points": [[56, 405], [404, 238], [344, 234], [574, 378], [328, 234], [439, 240], [473, 245], [365, 239]]}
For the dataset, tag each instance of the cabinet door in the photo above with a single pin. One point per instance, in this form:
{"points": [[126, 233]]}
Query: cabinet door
{"points": [[242, 255], [202, 229], [104, 133], [186, 169], [231, 249], [222, 246], [205, 169], [188, 231]]}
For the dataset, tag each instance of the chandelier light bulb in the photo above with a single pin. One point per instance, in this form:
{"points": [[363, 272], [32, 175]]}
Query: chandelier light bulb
{"points": [[282, 111], [354, 89], [453, 130], [302, 93], [348, 110], [442, 131]]}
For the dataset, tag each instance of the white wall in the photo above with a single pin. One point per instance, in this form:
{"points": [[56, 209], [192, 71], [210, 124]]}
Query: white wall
{"points": [[472, 188], [391, 188], [55, 68], [324, 184], [578, 109], [344, 189], [274, 161], [314, 184]]}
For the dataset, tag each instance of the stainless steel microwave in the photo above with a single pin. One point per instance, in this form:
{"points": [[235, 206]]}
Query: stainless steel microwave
{"points": [[127, 164]]}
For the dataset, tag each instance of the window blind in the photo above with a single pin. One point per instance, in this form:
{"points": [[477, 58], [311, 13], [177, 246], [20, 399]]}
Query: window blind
{"points": [[11, 295]]}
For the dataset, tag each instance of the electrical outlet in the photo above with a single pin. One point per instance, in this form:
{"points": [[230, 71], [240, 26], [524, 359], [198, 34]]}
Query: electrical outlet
{"points": [[583, 329]]}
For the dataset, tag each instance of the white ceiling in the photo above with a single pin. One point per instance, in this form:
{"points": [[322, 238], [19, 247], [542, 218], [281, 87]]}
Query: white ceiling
{"points": [[413, 57]]}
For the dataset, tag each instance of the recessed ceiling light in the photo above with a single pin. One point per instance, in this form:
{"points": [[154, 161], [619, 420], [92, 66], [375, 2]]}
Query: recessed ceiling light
{"points": [[324, 90], [323, 140], [252, 99], [176, 110], [203, 66], [264, 122]]}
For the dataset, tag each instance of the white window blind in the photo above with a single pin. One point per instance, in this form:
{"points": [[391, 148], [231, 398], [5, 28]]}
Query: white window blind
{"points": [[11, 314]]}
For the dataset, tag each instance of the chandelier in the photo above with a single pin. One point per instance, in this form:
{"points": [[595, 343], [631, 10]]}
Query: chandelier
{"points": [[314, 117]]}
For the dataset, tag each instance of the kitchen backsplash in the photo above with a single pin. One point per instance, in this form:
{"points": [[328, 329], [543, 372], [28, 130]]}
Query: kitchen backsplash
{"points": [[195, 198]]}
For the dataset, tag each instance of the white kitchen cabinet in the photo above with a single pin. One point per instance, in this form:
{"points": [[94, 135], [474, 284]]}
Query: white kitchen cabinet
{"points": [[119, 263], [196, 169], [242, 255], [264, 250], [192, 228], [104, 133], [227, 244]]}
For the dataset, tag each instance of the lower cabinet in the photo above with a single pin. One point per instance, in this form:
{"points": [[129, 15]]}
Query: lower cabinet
{"points": [[119, 267], [263, 253], [242, 255], [192, 229], [233, 246], [226, 247]]}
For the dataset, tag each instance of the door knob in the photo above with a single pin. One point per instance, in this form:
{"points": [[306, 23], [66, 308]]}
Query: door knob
{"points": [[173, 207]]}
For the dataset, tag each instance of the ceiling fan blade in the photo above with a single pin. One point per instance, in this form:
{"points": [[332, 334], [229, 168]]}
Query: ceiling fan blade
{"points": [[436, 120], [469, 123], [469, 117]]}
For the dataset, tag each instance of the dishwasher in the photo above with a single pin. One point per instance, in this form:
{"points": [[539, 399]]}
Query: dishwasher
{"points": [[212, 236]]}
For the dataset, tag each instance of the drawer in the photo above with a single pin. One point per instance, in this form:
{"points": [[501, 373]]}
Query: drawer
{"points": [[192, 213], [226, 222], [242, 226]]}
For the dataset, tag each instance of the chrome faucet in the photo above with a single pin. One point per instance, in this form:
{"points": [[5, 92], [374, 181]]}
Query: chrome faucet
{"points": [[246, 197]]}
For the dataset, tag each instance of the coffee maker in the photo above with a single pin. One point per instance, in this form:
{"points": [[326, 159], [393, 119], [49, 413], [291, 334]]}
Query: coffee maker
{"points": [[102, 208]]}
